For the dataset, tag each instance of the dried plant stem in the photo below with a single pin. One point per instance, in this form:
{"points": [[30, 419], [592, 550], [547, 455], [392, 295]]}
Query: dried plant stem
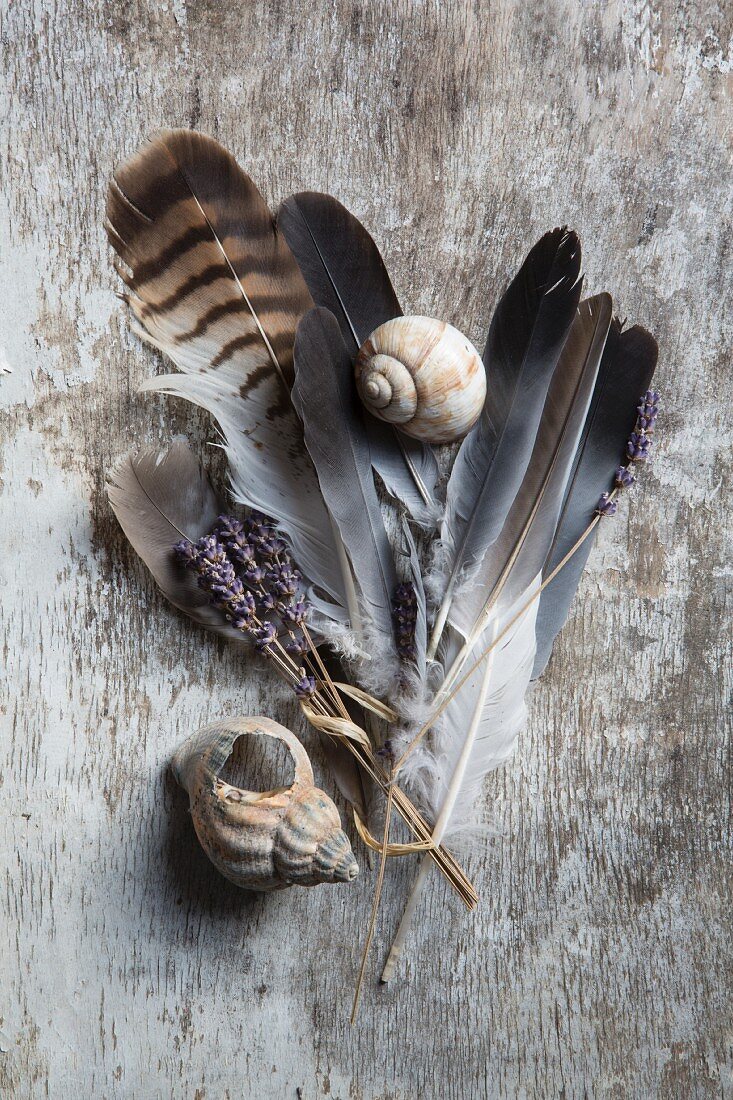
{"points": [[375, 904], [446, 862]]}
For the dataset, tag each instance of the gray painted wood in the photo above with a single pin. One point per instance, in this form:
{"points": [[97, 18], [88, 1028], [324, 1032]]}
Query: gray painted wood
{"points": [[599, 962]]}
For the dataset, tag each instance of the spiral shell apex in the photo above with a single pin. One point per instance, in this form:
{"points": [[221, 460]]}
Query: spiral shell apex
{"points": [[423, 376], [262, 840]]}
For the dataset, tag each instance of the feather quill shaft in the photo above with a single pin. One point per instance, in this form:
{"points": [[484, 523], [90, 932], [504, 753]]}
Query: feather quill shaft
{"points": [[527, 334]]}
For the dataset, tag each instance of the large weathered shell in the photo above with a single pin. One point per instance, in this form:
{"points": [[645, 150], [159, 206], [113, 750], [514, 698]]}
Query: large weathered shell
{"points": [[422, 375], [262, 840]]}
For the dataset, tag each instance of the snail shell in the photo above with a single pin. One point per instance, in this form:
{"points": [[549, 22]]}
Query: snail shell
{"points": [[423, 376], [262, 840]]}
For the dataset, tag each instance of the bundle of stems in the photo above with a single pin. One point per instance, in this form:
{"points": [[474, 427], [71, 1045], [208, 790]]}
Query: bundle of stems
{"points": [[247, 572], [325, 709]]}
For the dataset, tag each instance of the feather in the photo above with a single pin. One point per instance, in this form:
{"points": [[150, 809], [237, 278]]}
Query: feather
{"points": [[481, 723], [517, 555], [345, 273], [336, 441], [625, 373], [217, 289], [340, 263], [482, 720], [488, 712], [526, 337], [160, 498], [509, 573]]}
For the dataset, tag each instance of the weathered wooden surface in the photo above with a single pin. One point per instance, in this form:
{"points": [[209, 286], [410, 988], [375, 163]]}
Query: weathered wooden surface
{"points": [[599, 964]]}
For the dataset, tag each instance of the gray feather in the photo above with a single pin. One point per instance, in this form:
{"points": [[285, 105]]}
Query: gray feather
{"points": [[421, 624], [527, 334], [516, 557], [160, 498], [325, 400]]}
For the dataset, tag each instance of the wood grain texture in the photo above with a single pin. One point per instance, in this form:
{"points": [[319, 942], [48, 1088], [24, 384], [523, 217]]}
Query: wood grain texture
{"points": [[599, 962]]}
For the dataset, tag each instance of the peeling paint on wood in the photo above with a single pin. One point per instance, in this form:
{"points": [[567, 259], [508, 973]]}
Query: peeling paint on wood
{"points": [[599, 962]]}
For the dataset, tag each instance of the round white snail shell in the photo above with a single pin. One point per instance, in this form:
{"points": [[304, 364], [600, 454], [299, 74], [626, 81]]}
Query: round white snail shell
{"points": [[423, 376], [262, 840]]}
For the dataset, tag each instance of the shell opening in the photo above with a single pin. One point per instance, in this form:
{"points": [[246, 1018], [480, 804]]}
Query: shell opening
{"points": [[258, 764]]}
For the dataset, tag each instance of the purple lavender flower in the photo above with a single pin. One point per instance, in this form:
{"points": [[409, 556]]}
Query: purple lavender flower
{"points": [[624, 478], [186, 552], [637, 449], [404, 615], [293, 612], [296, 647], [306, 686], [649, 407], [606, 506], [253, 574], [247, 572], [236, 541], [264, 635]]}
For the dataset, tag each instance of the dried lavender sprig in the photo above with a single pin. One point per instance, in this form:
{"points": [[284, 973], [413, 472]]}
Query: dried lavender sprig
{"points": [[265, 582], [638, 449], [215, 567], [607, 506]]}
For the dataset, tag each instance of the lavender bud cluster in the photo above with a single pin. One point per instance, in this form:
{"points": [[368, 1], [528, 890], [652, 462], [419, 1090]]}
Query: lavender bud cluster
{"points": [[247, 572], [638, 448], [404, 614]]}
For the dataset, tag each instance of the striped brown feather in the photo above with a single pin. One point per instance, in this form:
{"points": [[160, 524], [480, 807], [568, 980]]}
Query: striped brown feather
{"points": [[217, 289], [209, 276]]}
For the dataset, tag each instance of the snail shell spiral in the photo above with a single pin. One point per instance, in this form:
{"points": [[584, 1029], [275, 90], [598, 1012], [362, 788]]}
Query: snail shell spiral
{"points": [[262, 840], [423, 376]]}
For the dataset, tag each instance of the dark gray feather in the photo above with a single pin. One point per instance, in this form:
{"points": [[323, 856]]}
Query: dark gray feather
{"points": [[345, 273], [624, 375], [527, 334], [516, 557]]}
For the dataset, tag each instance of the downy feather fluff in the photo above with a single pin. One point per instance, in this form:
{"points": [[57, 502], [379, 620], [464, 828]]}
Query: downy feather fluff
{"points": [[345, 273], [217, 289], [526, 337]]}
